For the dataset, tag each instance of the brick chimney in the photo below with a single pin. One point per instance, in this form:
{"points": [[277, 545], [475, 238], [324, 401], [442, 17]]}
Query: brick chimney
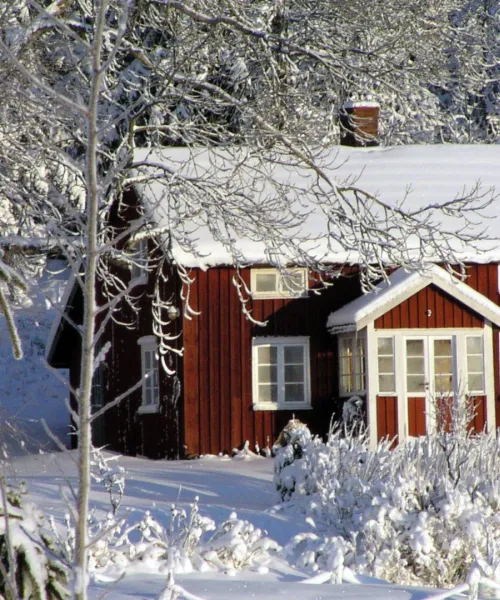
{"points": [[359, 124]]}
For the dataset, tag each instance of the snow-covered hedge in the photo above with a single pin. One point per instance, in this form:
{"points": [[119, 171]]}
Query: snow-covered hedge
{"points": [[423, 513]]}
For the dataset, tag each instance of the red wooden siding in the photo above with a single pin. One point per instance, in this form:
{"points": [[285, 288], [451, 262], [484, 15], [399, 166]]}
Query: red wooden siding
{"points": [[496, 372], [416, 417], [444, 312], [478, 423], [444, 409], [218, 409], [387, 417]]}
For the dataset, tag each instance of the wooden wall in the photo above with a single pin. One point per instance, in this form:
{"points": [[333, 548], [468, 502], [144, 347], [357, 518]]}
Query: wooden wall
{"points": [[218, 412], [445, 311], [387, 417], [158, 435]]}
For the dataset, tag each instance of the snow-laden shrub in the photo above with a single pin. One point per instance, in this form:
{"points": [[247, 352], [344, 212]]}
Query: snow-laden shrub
{"points": [[288, 463], [190, 542], [422, 513], [26, 546], [187, 542], [105, 471]]}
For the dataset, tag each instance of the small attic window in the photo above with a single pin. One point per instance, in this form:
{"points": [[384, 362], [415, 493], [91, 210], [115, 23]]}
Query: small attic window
{"points": [[273, 283], [139, 256]]}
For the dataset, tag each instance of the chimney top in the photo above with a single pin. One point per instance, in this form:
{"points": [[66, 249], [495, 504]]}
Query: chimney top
{"points": [[359, 124]]}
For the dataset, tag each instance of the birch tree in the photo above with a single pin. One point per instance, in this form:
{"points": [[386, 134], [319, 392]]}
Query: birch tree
{"points": [[91, 82]]}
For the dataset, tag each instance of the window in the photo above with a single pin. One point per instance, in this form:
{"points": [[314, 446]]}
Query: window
{"points": [[272, 283], [386, 374], [139, 256], [352, 365], [280, 368], [475, 364], [415, 366], [150, 375], [443, 367]]}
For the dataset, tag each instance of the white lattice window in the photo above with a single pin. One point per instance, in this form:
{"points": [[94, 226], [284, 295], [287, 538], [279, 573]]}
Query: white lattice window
{"points": [[139, 257], [352, 363], [273, 283], [386, 370], [475, 364], [150, 374], [280, 373]]}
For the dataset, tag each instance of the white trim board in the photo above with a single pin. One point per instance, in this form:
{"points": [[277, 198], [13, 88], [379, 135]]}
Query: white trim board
{"points": [[399, 287]]}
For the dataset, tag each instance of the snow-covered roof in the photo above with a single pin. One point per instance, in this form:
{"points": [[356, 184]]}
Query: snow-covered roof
{"points": [[418, 175], [399, 287]]}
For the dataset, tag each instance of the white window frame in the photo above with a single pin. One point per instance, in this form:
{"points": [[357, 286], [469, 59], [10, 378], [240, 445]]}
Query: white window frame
{"points": [[459, 336], [149, 344], [139, 255], [281, 290], [356, 338], [393, 372], [482, 391], [280, 343]]}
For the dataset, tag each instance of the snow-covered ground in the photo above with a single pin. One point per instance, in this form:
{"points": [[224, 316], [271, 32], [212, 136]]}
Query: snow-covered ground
{"points": [[223, 486], [29, 391]]}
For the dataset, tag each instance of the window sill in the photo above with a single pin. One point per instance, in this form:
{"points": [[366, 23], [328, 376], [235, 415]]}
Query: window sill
{"points": [[291, 406], [148, 409], [278, 296]]}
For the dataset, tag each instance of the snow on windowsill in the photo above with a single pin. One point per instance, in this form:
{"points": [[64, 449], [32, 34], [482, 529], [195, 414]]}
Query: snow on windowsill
{"points": [[290, 406], [148, 409]]}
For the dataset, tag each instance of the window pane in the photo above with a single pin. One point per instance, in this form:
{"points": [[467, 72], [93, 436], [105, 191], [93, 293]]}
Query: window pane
{"points": [[346, 346], [148, 398], [415, 366], [292, 283], [268, 393], [475, 364], [268, 374], [294, 392], [442, 384], [474, 345], [384, 345], [415, 383], [265, 282], [294, 373], [147, 360], [414, 347], [442, 347], [346, 384], [443, 365], [267, 355], [475, 383], [386, 383], [385, 364], [294, 355]]}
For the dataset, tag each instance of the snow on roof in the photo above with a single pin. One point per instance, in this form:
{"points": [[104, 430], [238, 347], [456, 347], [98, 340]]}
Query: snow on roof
{"points": [[399, 287], [418, 175]]}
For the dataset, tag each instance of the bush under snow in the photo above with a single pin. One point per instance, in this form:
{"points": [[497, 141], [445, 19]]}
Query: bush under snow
{"points": [[183, 542], [424, 513], [28, 567]]}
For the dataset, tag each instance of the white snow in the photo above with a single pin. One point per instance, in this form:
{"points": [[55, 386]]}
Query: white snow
{"points": [[223, 486], [411, 176], [29, 391]]}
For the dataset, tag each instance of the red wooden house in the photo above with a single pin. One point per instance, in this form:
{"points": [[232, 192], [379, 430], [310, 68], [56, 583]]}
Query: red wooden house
{"points": [[404, 348]]}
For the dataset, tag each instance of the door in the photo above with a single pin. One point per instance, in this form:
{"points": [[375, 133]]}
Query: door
{"points": [[430, 382]]}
